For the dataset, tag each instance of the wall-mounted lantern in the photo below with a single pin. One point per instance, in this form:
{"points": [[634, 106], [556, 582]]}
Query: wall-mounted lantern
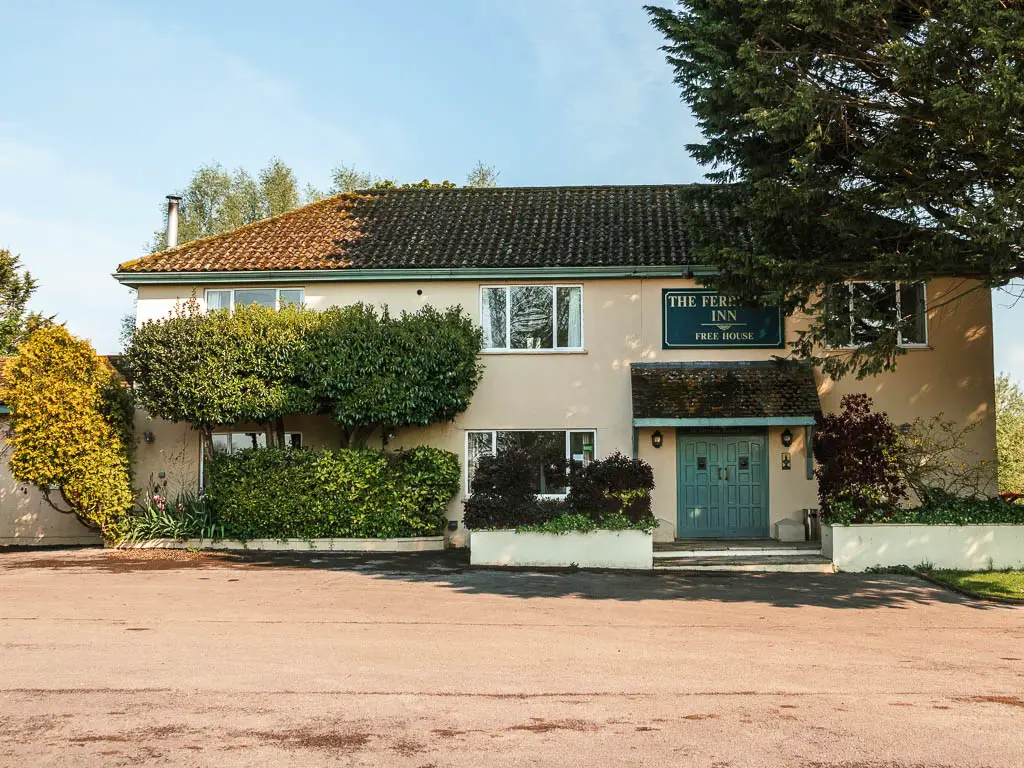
{"points": [[787, 438], [147, 436], [656, 439]]}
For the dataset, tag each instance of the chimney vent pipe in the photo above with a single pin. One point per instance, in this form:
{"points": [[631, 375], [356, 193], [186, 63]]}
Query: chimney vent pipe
{"points": [[173, 203]]}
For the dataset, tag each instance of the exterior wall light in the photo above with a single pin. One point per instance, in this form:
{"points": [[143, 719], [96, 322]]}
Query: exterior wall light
{"points": [[147, 436], [656, 439], [787, 438]]}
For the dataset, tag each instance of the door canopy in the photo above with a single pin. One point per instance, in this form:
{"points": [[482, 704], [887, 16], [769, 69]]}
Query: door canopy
{"points": [[748, 394]]}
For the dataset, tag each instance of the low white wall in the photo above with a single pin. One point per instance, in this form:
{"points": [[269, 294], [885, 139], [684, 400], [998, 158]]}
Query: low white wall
{"points": [[963, 547], [596, 549], [413, 544]]}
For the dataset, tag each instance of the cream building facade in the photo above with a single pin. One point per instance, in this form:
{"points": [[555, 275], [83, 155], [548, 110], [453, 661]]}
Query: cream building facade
{"points": [[609, 260]]}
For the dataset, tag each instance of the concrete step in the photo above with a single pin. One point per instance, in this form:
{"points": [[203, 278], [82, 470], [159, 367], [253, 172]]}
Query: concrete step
{"points": [[804, 563], [768, 550]]}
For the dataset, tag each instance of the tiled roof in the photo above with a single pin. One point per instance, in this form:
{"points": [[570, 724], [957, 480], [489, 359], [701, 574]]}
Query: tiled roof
{"points": [[624, 226], [740, 390]]}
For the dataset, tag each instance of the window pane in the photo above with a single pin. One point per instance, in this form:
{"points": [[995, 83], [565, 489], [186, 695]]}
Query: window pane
{"points": [[265, 297], [293, 440], [241, 441], [532, 324], [218, 300], [570, 311], [480, 444], [292, 296], [913, 324], [222, 443], [581, 447], [492, 317], [874, 311], [837, 310], [547, 454]]}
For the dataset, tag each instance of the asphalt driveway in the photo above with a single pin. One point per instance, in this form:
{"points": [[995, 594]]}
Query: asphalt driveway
{"points": [[112, 658]]}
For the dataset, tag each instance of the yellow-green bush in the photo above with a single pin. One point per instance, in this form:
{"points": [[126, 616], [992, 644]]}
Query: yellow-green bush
{"points": [[71, 427]]}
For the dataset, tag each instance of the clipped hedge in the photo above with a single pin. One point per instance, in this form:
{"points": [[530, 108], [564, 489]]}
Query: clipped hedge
{"points": [[613, 493], [941, 509], [341, 493]]}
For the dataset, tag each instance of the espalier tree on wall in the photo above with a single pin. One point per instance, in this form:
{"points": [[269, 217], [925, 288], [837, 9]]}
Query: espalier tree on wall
{"points": [[370, 371], [71, 428], [216, 368], [864, 141]]}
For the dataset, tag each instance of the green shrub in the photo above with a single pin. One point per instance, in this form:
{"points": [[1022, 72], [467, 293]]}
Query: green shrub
{"points": [[611, 486], [341, 493], [574, 522], [611, 494], [942, 508], [856, 451], [188, 516]]}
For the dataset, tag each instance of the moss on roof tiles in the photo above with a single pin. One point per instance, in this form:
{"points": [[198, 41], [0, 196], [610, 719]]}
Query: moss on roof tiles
{"points": [[771, 388]]}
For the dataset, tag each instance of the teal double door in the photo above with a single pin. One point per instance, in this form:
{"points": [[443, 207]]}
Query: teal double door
{"points": [[722, 482]]}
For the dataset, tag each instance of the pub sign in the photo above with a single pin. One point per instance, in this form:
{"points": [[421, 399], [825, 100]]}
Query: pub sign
{"points": [[695, 318]]}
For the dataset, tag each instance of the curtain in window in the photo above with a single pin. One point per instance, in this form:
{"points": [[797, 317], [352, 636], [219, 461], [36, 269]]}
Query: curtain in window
{"points": [[218, 300], [492, 317], [570, 311]]}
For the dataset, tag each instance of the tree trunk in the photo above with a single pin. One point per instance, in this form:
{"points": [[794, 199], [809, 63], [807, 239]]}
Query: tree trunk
{"points": [[279, 431], [206, 435]]}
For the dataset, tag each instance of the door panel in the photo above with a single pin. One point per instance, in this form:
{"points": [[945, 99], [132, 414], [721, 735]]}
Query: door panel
{"points": [[721, 486]]}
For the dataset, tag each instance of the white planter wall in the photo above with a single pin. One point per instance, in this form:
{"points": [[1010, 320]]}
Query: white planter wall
{"points": [[596, 549], [412, 544], [963, 547]]}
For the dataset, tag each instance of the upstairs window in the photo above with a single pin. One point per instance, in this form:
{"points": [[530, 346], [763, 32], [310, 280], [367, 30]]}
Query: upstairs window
{"points": [[274, 298], [532, 317], [866, 311]]}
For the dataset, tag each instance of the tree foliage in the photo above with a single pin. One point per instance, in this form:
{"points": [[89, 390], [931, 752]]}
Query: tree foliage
{"points": [[372, 370], [483, 176], [368, 370], [936, 460], [862, 141], [16, 288], [1010, 434], [213, 368], [217, 201], [71, 424]]}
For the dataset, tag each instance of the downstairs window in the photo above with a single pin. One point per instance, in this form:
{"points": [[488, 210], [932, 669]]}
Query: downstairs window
{"points": [[542, 446]]}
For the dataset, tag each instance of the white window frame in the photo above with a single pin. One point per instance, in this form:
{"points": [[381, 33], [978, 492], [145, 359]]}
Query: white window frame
{"points": [[494, 443], [288, 432], [926, 344], [555, 349], [277, 294]]}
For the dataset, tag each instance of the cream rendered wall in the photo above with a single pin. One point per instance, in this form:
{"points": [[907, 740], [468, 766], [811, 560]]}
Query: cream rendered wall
{"points": [[591, 389], [26, 518]]}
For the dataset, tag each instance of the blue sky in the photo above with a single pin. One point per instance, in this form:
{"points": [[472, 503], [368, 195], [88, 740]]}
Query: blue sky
{"points": [[109, 106]]}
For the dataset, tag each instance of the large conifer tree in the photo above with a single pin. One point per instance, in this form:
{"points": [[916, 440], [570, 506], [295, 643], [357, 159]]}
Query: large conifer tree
{"points": [[875, 140]]}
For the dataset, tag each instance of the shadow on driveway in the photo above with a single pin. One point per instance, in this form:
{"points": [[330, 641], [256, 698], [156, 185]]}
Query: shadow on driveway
{"points": [[451, 569]]}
